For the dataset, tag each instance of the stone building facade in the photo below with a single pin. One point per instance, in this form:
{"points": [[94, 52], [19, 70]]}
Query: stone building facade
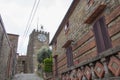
{"points": [[37, 40], [4, 51], [13, 38], [21, 64], [86, 45], [7, 53]]}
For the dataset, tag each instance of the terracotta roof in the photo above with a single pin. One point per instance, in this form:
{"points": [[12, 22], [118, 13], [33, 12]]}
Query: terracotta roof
{"points": [[69, 12]]}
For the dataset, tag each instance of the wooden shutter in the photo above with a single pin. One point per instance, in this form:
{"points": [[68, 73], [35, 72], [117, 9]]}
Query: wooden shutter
{"points": [[103, 41], [56, 65], [106, 37], [69, 56], [68, 59]]}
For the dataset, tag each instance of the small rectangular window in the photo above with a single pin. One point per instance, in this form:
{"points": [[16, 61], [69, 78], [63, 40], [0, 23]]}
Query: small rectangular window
{"points": [[66, 27]]}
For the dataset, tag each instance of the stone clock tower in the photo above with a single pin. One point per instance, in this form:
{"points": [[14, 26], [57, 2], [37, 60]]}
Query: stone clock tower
{"points": [[37, 39]]}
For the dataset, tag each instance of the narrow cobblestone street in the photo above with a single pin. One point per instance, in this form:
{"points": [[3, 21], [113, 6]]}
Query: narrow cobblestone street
{"points": [[26, 77]]}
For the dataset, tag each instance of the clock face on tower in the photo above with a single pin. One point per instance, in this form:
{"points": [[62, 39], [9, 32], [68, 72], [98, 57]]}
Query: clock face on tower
{"points": [[42, 37]]}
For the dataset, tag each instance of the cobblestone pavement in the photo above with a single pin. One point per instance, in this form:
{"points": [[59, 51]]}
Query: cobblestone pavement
{"points": [[27, 77]]}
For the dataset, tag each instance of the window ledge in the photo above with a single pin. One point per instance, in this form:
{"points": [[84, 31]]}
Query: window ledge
{"points": [[67, 43], [95, 13]]}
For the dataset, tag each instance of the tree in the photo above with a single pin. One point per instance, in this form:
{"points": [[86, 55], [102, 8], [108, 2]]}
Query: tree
{"points": [[45, 61], [43, 53]]}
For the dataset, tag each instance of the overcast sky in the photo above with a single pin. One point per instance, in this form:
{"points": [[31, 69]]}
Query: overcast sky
{"points": [[15, 14]]}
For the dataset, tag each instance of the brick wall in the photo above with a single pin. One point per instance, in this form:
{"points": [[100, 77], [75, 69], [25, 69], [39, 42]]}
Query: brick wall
{"points": [[113, 26], [60, 51], [81, 33]]}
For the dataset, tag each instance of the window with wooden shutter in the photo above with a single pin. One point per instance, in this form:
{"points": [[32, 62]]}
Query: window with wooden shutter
{"points": [[69, 56], [56, 65], [103, 41]]}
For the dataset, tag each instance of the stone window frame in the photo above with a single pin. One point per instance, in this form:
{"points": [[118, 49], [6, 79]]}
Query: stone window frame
{"points": [[66, 27]]}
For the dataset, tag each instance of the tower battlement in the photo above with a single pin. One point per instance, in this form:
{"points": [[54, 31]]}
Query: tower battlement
{"points": [[40, 32]]}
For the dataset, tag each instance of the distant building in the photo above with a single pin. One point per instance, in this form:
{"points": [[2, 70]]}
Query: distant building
{"points": [[8, 47], [86, 45], [21, 64], [37, 40]]}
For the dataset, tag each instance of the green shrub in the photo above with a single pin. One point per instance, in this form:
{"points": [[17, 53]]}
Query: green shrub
{"points": [[48, 65]]}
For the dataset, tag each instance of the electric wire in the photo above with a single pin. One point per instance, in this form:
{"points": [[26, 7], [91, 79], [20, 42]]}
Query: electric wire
{"points": [[31, 17]]}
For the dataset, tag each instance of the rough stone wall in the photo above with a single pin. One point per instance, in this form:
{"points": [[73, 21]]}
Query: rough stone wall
{"points": [[30, 54], [21, 67], [78, 32], [77, 28], [4, 52], [37, 46], [14, 42], [60, 42], [84, 46], [113, 21], [8, 49], [1, 35], [34, 46], [82, 34], [114, 31], [57, 49]]}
